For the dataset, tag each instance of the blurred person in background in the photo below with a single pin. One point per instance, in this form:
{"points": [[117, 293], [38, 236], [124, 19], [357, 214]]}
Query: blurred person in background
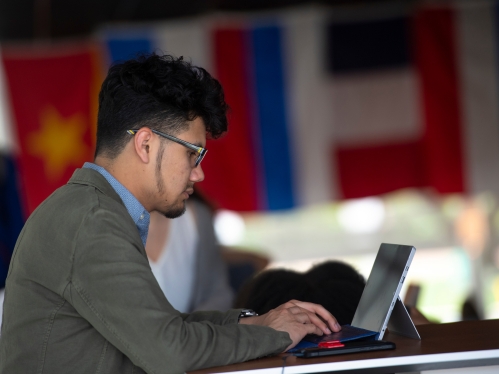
{"points": [[187, 261], [334, 284]]}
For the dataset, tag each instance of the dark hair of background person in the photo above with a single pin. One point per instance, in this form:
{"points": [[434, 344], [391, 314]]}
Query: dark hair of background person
{"points": [[160, 92], [335, 285]]}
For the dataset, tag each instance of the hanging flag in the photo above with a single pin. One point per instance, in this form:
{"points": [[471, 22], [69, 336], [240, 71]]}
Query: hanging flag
{"points": [[402, 99], [377, 144], [348, 104], [53, 95]]}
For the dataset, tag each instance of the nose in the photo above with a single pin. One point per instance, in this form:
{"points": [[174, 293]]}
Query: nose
{"points": [[197, 174]]}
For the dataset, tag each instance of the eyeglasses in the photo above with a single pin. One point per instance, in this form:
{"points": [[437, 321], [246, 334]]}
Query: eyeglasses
{"points": [[199, 150]]}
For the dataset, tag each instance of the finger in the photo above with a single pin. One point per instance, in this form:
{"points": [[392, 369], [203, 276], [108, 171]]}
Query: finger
{"points": [[319, 322], [288, 305], [296, 310], [315, 320], [312, 329], [321, 311], [304, 316], [298, 331], [316, 309]]}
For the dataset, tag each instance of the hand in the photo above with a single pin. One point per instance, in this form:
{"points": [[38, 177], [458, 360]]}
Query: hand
{"points": [[298, 319]]}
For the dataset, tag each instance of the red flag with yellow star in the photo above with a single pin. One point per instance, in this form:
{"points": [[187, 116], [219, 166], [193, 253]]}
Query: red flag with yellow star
{"points": [[53, 95]]}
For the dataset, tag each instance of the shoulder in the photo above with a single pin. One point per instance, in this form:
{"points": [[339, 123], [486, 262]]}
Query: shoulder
{"points": [[87, 203], [87, 191]]}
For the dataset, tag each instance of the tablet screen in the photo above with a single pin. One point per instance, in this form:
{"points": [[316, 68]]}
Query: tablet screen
{"points": [[383, 286]]}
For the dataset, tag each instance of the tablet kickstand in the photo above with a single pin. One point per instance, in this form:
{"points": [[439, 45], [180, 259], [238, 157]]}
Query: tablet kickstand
{"points": [[401, 323]]}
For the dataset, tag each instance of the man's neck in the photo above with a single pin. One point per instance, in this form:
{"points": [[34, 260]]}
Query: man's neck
{"points": [[127, 176], [105, 163]]}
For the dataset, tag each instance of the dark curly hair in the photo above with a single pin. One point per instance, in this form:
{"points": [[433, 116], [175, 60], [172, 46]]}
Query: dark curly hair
{"points": [[160, 92], [335, 285]]}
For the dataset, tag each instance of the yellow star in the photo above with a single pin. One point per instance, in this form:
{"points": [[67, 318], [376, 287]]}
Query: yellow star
{"points": [[59, 142]]}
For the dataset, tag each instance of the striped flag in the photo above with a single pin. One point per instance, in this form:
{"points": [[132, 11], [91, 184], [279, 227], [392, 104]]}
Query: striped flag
{"points": [[343, 105], [419, 125]]}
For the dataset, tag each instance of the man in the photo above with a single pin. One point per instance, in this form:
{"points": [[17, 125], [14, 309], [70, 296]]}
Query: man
{"points": [[80, 295]]}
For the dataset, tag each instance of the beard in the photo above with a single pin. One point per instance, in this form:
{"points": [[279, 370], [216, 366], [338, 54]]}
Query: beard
{"points": [[170, 211], [174, 212]]}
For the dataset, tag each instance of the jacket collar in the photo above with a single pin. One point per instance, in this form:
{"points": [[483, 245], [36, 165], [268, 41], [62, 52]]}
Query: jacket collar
{"points": [[89, 177]]}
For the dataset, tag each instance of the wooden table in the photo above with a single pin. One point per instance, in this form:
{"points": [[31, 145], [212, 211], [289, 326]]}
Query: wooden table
{"points": [[442, 346]]}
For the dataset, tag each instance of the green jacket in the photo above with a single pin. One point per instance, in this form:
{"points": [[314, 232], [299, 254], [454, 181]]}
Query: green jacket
{"points": [[81, 298]]}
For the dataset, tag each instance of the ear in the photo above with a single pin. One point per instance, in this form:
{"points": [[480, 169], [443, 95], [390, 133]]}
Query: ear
{"points": [[142, 144]]}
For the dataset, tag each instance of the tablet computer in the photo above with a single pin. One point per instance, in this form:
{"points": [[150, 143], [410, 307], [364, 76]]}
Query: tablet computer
{"points": [[383, 286], [379, 301]]}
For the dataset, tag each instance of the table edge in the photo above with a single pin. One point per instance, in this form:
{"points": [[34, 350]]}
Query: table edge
{"points": [[456, 358]]}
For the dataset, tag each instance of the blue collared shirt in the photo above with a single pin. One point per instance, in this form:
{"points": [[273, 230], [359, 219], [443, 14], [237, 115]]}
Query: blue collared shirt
{"points": [[139, 214]]}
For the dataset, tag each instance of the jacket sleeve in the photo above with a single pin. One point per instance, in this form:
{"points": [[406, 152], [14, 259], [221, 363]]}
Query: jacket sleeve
{"points": [[111, 286]]}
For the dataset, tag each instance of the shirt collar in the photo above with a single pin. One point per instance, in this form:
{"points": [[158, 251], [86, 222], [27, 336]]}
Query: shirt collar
{"points": [[139, 214]]}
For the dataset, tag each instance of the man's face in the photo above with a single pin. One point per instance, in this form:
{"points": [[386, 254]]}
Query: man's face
{"points": [[175, 173]]}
